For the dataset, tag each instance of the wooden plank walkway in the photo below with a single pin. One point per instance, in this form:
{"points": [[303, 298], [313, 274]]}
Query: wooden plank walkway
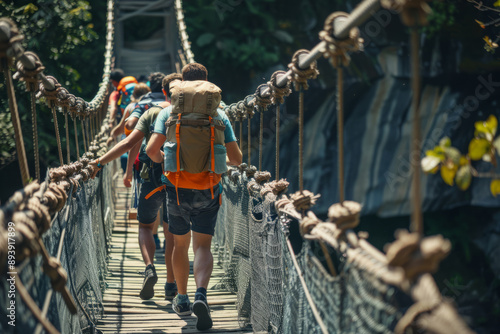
{"points": [[125, 312]]}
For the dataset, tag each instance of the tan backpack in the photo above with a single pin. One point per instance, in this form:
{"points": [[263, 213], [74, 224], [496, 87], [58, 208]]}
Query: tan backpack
{"points": [[194, 129]]}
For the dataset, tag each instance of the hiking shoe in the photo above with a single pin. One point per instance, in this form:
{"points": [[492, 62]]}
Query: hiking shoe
{"points": [[202, 311], [150, 279], [157, 241], [170, 290], [181, 307]]}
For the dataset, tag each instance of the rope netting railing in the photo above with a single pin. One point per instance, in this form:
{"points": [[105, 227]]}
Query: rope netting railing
{"points": [[54, 235], [294, 273]]}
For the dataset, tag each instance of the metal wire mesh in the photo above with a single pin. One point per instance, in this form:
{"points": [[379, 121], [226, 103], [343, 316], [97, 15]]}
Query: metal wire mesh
{"points": [[354, 301], [84, 256]]}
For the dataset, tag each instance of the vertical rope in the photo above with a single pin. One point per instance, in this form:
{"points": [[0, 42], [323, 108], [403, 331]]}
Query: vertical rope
{"points": [[77, 143], [87, 133], [249, 142], [277, 142], [91, 122], [21, 152], [240, 122], [83, 135], [301, 139], [261, 138], [68, 153], [58, 138], [340, 130], [34, 124], [417, 220]]}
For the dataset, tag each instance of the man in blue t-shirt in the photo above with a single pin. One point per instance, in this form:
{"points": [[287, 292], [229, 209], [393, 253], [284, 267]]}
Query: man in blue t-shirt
{"points": [[193, 208]]}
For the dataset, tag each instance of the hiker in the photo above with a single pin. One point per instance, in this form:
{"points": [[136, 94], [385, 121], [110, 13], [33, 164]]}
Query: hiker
{"points": [[151, 99], [148, 205], [140, 90], [197, 136], [115, 76]]}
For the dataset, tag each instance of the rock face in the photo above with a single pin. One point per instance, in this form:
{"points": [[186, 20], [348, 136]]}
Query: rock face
{"points": [[377, 133]]}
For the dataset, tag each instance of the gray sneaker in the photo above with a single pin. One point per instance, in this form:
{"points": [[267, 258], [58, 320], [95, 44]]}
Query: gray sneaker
{"points": [[150, 279], [170, 290], [181, 308]]}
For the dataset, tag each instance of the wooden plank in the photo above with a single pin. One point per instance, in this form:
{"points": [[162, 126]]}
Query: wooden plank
{"points": [[125, 312]]}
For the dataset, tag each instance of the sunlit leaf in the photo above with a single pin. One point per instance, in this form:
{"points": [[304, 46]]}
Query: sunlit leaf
{"points": [[463, 161], [453, 154], [445, 142], [30, 8], [496, 144], [448, 174], [429, 164], [481, 24], [463, 177], [478, 147], [491, 124], [433, 153], [495, 187], [496, 3]]}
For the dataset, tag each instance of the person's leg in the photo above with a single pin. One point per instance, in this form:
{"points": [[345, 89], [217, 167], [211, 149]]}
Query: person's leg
{"points": [[180, 261], [169, 248], [147, 243], [203, 259], [146, 214], [155, 230]]}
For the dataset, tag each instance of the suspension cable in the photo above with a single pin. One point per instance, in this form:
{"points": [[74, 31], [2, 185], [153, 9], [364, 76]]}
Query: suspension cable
{"points": [[34, 125], [417, 219], [277, 142], [340, 130], [68, 153], [77, 143], [301, 140], [21, 152], [58, 138]]}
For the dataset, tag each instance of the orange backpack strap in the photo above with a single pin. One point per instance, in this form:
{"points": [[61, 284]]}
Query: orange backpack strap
{"points": [[178, 140], [212, 157], [154, 191]]}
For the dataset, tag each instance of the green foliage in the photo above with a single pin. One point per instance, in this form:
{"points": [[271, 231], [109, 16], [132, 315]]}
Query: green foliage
{"points": [[456, 167], [442, 16]]}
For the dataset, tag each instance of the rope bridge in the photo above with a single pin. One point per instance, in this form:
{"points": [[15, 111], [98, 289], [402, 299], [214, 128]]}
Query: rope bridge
{"points": [[292, 272]]}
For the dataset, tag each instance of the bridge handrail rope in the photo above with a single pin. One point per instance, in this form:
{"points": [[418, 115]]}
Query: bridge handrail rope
{"points": [[340, 37], [183, 35], [33, 209]]}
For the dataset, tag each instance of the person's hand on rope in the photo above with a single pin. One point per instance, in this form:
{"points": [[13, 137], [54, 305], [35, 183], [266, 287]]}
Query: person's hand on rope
{"points": [[127, 179], [98, 167]]}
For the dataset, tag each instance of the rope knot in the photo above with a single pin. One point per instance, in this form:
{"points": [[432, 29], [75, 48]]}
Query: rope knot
{"points": [[248, 106], [7, 48], [262, 177], [303, 201], [50, 95], [277, 187], [263, 100], [308, 223], [417, 256], [279, 93], [250, 171], [26, 235], [29, 76], [344, 215], [338, 49], [58, 276], [299, 75]]}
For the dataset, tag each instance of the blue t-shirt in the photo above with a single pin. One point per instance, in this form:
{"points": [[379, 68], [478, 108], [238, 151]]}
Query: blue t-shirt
{"points": [[161, 129]]}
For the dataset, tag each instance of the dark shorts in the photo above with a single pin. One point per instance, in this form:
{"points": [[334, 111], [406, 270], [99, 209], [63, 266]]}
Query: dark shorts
{"points": [[197, 210], [147, 209]]}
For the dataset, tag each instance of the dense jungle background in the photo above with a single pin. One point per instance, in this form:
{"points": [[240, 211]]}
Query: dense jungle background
{"points": [[243, 42]]}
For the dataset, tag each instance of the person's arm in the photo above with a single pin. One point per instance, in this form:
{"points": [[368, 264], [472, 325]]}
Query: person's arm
{"points": [[233, 153], [131, 123], [132, 154], [122, 147], [154, 148]]}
